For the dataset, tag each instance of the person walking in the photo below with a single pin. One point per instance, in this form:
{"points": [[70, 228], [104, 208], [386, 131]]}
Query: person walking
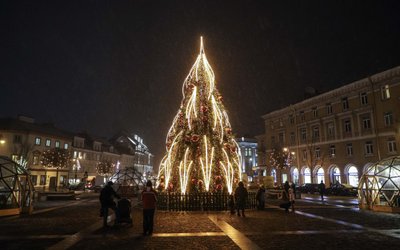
{"points": [[149, 200], [260, 196], [241, 198], [107, 195], [321, 188]]}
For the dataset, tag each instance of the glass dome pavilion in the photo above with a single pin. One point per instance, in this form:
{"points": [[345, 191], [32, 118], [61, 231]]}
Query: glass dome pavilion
{"points": [[16, 188], [379, 187]]}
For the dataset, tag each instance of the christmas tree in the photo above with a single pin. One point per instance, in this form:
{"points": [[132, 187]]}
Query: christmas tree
{"points": [[201, 153]]}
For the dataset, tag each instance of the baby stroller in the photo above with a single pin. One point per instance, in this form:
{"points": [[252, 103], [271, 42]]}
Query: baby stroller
{"points": [[125, 211]]}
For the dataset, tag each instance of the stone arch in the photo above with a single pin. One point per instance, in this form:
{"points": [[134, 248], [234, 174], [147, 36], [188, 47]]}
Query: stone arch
{"points": [[306, 174], [366, 166], [335, 174], [295, 175], [319, 174], [352, 178]]}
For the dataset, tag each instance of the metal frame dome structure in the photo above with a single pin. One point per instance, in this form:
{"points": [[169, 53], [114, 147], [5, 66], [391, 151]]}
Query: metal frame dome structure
{"points": [[128, 181], [379, 186], [16, 188]]}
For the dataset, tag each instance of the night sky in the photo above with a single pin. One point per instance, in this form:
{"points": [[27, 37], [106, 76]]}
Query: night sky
{"points": [[105, 66]]}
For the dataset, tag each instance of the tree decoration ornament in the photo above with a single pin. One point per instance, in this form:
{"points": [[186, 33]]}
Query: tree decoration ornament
{"points": [[105, 168], [57, 158], [200, 144]]}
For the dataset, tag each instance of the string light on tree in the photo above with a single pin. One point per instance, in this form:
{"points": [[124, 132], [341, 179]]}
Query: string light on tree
{"points": [[200, 145]]}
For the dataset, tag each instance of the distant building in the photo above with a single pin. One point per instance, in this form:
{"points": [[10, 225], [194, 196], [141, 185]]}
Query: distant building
{"points": [[248, 150], [334, 137], [24, 141]]}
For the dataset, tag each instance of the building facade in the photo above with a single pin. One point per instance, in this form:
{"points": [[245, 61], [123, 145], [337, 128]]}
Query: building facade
{"points": [[25, 141], [248, 151], [335, 136]]}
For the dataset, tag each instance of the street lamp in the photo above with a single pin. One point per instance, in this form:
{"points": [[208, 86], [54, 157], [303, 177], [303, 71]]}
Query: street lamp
{"points": [[2, 139]]}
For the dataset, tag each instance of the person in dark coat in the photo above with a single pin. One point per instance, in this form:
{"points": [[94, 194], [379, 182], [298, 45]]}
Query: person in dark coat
{"points": [[107, 195], [321, 188], [260, 196], [149, 200], [241, 198]]}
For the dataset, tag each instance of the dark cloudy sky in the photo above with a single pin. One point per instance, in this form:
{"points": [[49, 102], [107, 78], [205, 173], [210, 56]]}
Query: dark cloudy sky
{"points": [[102, 66]]}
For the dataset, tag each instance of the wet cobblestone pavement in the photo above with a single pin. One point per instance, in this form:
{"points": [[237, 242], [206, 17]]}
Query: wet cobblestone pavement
{"points": [[334, 224]]}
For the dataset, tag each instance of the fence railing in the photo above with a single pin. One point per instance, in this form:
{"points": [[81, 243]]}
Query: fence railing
{"points": [[199, 201]]}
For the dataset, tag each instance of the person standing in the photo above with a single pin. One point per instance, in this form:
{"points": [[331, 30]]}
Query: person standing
{"points": [[241, 198], [321, 190], [291, 197], [260, 196], [149, 200], [107, 195]]}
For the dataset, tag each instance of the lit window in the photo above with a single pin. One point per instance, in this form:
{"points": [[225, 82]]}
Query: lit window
{"points": [[345, 103], [48, 143], [281, 137], [57, 144], [392, 147], [385, 92], [388, 117], [35, 160], [349, 149], [37, 141], [65, 145], [363, 98], [329, 108], [369, 149]]}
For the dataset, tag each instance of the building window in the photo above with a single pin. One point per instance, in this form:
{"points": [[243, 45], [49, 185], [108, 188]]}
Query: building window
{"points": [[363, 98], [43, 180], [302, 116], [316, 133], [318, 153], [392, 147], [329, 108], [366, 123], [331, 130], [280, 123], [272, 125], [369, 148], [332, 150], [38, 141], [304, 155], [349, 149], [291, 119], [48, 142], [34, 179], [17, 139], [347, 126], [315, 112], [65, 145], [57, 144], [35, 160], [385, 92], [303, 134], [345, 103], [281, 137], [388, 117], [292, 138]]}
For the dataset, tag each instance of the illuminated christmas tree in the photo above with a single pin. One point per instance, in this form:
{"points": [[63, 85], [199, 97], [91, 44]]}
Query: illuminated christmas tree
{"points": [[201, 153]]}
